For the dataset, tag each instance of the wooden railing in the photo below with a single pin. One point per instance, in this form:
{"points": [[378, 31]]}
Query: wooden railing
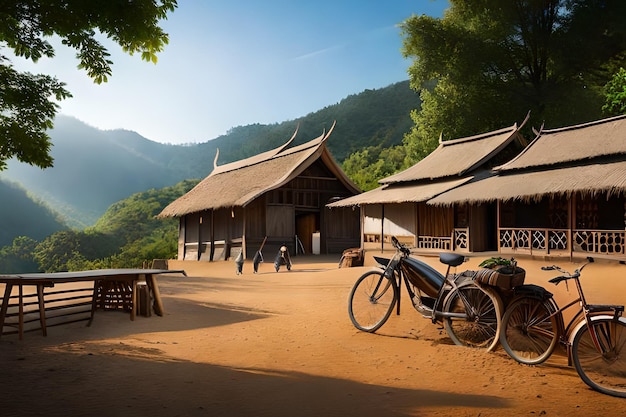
{"points": [[459, 240], [546, 241], [604, 242], [434, 242]]}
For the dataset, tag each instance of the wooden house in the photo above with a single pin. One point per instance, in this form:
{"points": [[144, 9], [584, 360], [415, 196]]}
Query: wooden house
{"points": [[562, 196], [279, 195], [399, 207]]}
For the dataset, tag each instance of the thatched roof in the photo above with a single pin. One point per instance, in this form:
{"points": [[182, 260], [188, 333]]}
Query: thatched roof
{"points": [[588, 158], [239, 183], [452, 164], [608, 178], [458, 157], [575, 143], [400, 193]]}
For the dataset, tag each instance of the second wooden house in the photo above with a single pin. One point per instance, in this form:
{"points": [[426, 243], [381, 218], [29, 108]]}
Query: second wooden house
{"points": [[399, 207]]}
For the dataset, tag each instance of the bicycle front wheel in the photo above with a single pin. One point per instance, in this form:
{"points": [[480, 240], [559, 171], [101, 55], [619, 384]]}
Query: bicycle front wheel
{"points": [[478, 315], [602, 367], [371, 301], [529, 330]]}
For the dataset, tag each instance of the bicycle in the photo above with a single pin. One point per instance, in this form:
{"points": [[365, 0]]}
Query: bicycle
{"points": [[594, 339], [470, 314]]}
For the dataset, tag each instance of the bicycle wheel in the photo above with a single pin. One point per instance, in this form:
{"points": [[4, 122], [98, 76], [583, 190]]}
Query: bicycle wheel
{"points": [[605, 370], [371, 301], [529, 331], [481, 310]]}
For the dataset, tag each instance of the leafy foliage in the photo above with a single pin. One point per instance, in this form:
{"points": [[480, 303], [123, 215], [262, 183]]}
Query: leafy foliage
{"points": [[26, 108], [494, 262], [19, 256], [368, 166], [486, 63], [615, 98]]}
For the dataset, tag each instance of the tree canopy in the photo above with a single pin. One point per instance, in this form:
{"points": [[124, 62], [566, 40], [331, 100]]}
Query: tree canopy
{"points": [[615, 89], [487, 63], [27, 101]]}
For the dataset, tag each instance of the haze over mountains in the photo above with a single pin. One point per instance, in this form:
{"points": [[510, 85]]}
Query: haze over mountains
{"points": [[94, 168]]}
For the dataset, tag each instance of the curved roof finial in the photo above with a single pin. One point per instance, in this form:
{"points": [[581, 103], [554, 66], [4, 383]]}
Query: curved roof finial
{"points": [[326, 135]]}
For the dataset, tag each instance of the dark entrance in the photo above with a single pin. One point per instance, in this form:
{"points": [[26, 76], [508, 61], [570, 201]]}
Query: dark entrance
{"points": [[307, 223]]}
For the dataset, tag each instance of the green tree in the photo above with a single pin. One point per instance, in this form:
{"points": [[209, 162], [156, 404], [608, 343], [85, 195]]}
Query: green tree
{"points": [[18, 257], [27, 108], [54, 252], [371, 164], [615, 94], [489, 62]]}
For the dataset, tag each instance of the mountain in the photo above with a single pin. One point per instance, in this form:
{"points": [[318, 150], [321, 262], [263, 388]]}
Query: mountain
{"points": [[20, 215], [95, 168]]}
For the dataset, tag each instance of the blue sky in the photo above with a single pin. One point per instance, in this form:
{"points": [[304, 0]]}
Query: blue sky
{"points": [[238, 62]]}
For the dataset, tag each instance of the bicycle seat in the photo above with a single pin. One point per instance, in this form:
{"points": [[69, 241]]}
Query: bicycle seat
{"points": [[451, 259]]}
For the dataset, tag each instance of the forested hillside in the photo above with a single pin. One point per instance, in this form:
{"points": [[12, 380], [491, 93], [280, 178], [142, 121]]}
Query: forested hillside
{"points": [[20, 215], [94, 168], [127, 235]]}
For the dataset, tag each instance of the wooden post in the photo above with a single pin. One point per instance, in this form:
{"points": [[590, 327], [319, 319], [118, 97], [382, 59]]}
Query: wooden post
{"points": [[8, 288], [158, 303], [382, 228], [42, 309], [21, 310], [133, 295]]}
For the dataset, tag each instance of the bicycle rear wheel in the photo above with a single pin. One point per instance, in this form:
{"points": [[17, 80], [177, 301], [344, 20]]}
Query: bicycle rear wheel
{"points": [[371, 301], [480, 310], [605, 370], [529, 331]]}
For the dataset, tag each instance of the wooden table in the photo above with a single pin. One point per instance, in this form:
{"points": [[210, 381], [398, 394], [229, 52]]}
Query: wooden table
{"points": [[102, 279]]}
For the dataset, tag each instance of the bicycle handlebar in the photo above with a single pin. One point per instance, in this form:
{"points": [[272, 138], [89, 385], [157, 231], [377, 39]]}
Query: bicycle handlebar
{"points": [[400, 246], [567, 275], [549, 268]]}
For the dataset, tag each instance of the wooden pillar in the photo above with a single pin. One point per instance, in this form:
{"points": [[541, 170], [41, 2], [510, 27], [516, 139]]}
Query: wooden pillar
{"points": [[212, 239], [199, 235], [362, 226], [571, 223], [382, 228], [498, 224], [181, 238], [243, 235]]}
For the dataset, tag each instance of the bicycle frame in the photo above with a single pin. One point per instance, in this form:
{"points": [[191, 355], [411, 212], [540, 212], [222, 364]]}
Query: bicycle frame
{"points": [[586, 311], [397, 269]]}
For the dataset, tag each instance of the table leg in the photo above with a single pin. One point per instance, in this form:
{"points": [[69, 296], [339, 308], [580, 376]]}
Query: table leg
{"points": [[133, 310], [95, 299], [5, 305], [42, 309], [154, 288], [21, 311]]}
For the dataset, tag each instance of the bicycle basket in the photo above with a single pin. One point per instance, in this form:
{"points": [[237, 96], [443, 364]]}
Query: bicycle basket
{"points": [[505, 277]]}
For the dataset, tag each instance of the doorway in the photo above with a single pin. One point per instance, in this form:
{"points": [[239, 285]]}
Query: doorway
{"points": [[307, 223]]}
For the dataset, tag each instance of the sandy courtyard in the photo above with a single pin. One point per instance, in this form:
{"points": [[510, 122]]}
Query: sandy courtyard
{"points": [[281, 344]]}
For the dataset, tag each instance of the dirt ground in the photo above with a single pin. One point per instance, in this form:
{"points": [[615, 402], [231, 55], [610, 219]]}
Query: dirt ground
{"points": [[281, 344]]}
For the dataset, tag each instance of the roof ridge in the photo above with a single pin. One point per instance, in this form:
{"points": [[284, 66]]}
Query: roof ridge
{"points": [[583, 125], [254, 159], [479, 136]]}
